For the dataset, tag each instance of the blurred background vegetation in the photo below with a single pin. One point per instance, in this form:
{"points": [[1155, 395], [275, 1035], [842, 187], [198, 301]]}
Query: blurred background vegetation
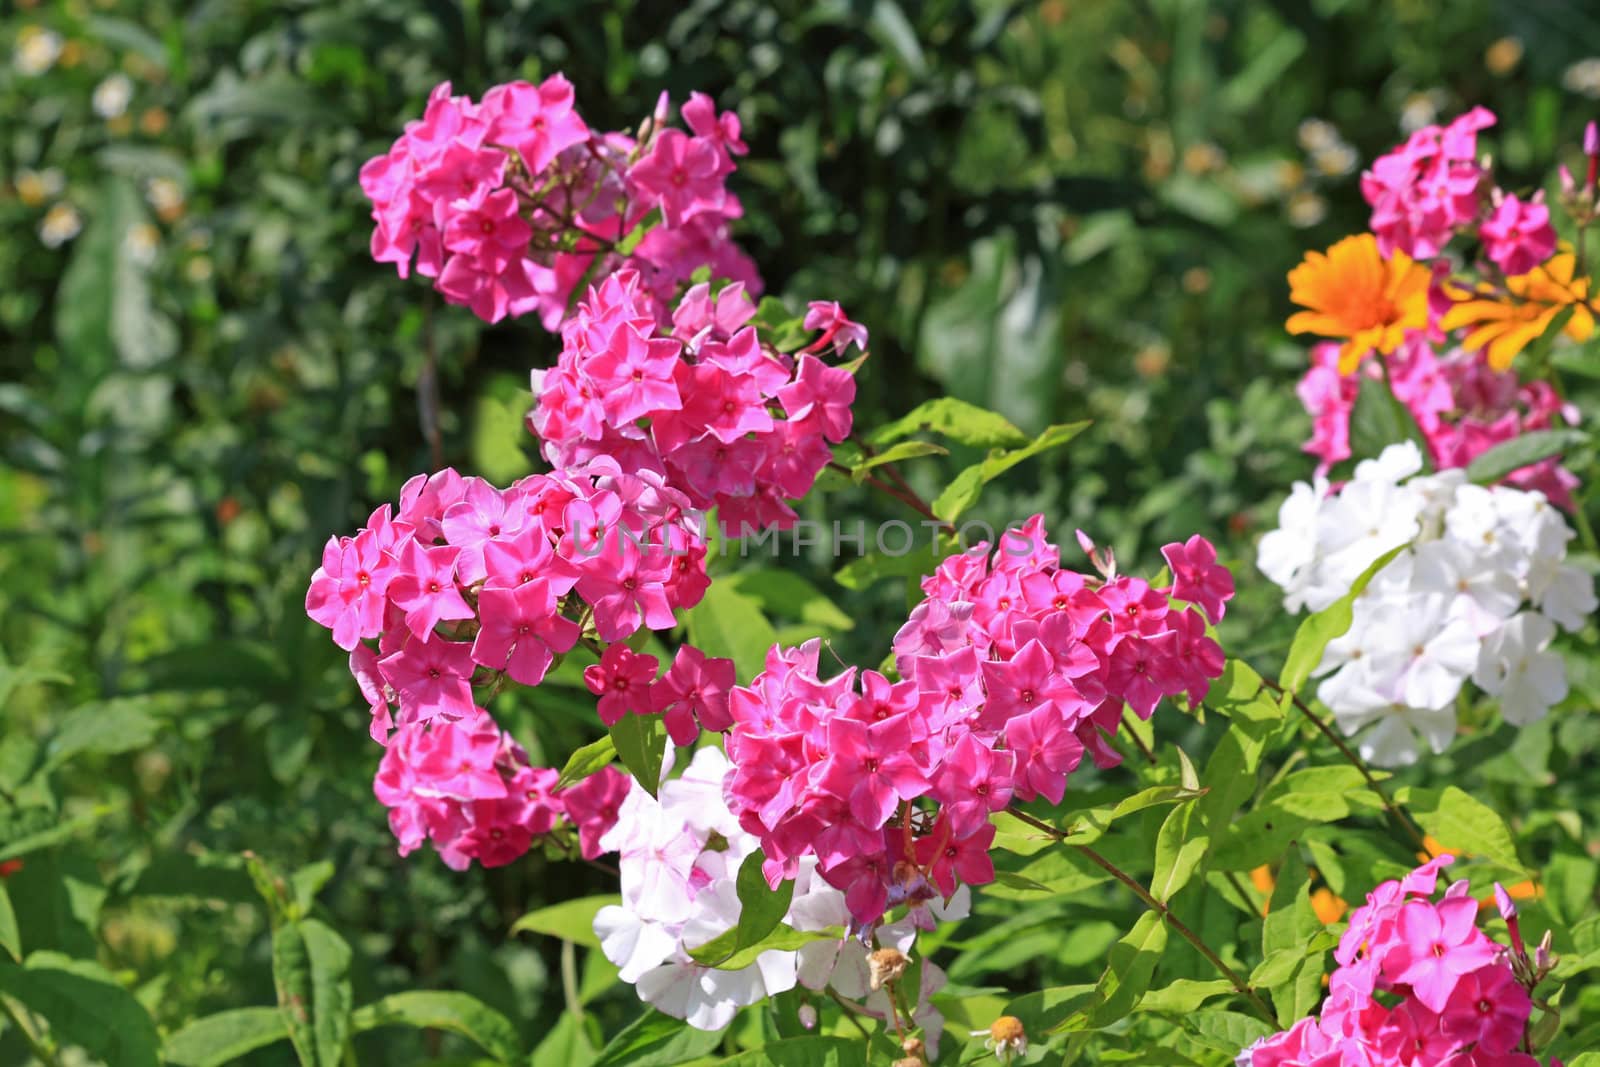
{"points": [[1059, 209]]}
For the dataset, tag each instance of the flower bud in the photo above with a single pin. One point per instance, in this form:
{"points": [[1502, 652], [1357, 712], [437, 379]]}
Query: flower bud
{"points": [[1591, 139], [1542, 957], [910, 1061], [912, 1046], [1503, 901], [885, 965], [808, 1016], [1007, 1039]]}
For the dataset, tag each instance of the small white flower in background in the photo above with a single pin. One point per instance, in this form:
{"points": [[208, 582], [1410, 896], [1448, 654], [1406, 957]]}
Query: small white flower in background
{"points": [[37, 50], [142, 242], [1478, 594], [679, 860], [1583, 77], [112, 96], [35, 187], [165, 198], [60, 224]]}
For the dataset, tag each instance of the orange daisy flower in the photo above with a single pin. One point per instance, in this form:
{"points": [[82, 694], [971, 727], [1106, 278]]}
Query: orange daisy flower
{"points": [[1353, 292], [1505, 323]]}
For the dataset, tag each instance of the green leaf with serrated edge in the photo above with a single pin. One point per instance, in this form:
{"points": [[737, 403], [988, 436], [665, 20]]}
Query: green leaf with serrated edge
{"points": [[965, 489], [657, 1040], [1184, 995], [85, 1006], [311, 968], [641, 744], [10, 936], [957, 420], [1132, 964], [570, 920], [1462, 823], [459, 1013], [586, 761], [894, 454], [223, 1038], [729, 624], [725, 954], [1312, 637], [1522, 451], [1181, 846], [761, 911]]}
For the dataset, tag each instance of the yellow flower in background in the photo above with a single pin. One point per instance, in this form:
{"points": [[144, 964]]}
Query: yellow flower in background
{"points": [[1353, 292], [1504, 323]]}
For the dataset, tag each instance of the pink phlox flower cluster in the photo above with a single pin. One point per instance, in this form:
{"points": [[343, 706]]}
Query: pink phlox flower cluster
{"points": [[1417, 983], [507, 202], [1517, 235], [468, 788], [464, 576], [1425, 190], [1010, 670], [679, 858], [692, 694], [1463, 408], [730, 421]]}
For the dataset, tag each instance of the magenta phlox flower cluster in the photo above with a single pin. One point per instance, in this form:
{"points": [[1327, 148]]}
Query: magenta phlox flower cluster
{"points": [[1009, 671], [509, 202], [468, 788], [722, 416], [1418, 982], [1463, 408], [1433, 186], [1426, 189]]}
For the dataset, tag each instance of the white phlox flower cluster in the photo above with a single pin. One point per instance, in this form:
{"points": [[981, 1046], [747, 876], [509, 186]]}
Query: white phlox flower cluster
{"points": [[1479, 594], [679, 860]]}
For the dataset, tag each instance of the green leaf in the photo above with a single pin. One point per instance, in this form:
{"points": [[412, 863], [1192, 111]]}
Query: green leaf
{"points": [[761, 911], [640, 742], [1379, 420], [815, 1051], [1462, 823], [1312, 637], [1184, 995], [957, 420], [657, 1040], [311, 968], [1042, 1011], [31, 829], [1087, 827], [84, 1006], [108, 728], [964, 491], [778, 326], [586, 761], [729, 624], [894, 454], [1181, 846], [1132, 965], [221, 1039], [10, 936], [873, 567], [723, 953], [570, 920], [1522, 451], [1225, 1031], [783, 593], [458, 1013], [1291, 925]]}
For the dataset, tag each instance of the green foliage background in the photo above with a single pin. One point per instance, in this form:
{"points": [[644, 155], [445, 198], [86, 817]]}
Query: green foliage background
{"points": [[1058, 210]]}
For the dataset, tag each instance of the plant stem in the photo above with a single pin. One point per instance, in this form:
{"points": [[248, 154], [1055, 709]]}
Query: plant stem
{"points": [[569, 983], [1133, 735], [428, 389], [1356, 761], [910, 499], [41, 1051], [851, 1012], [1240, 986]]}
